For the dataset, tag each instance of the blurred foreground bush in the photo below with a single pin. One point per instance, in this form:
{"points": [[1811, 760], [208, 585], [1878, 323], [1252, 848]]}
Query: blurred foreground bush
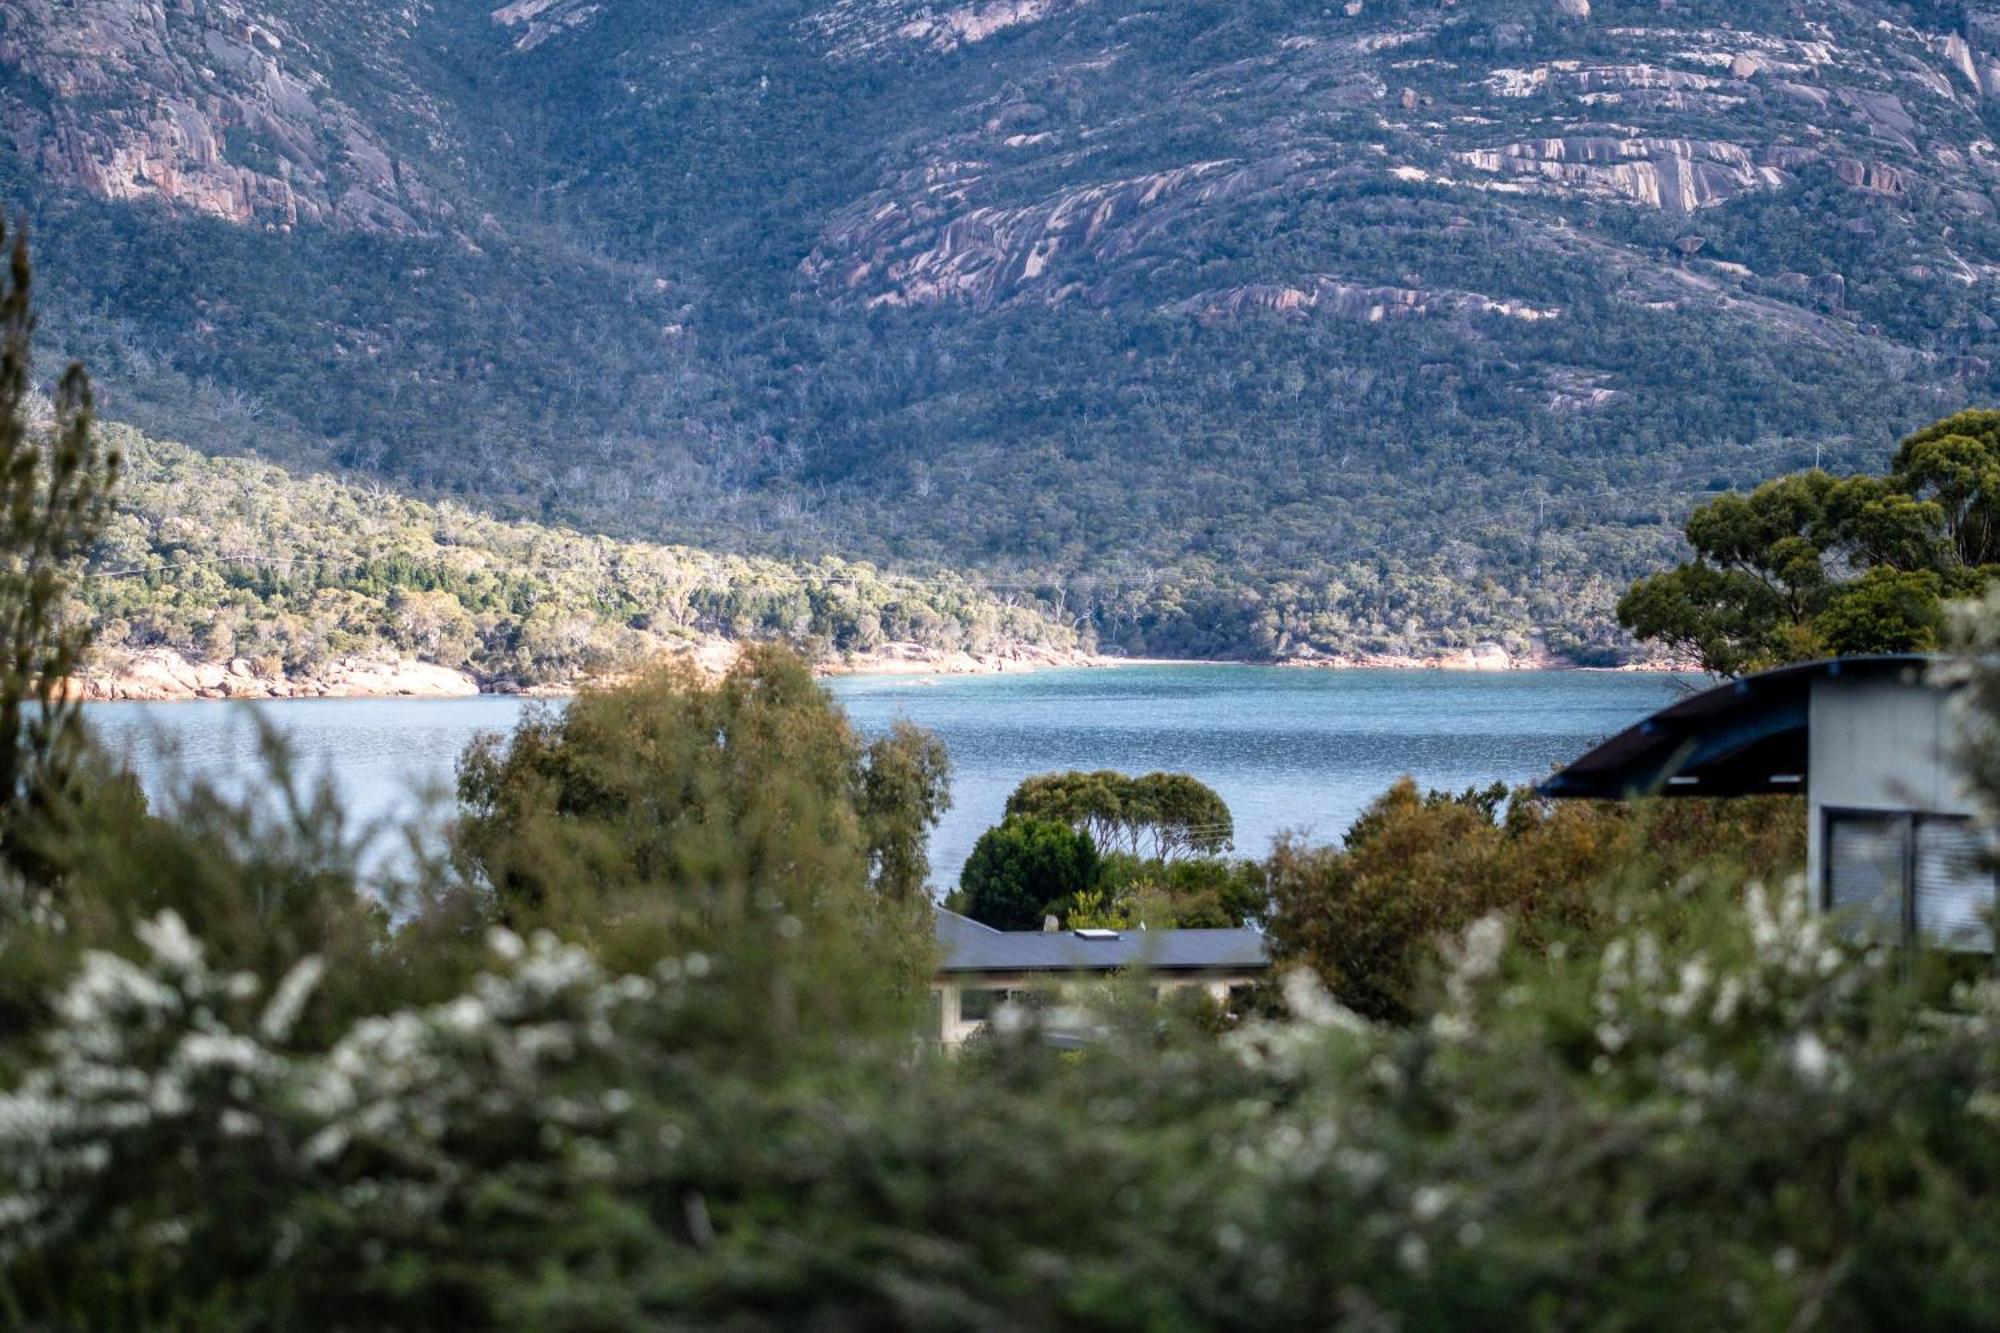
{"points": [[1725, 1120]]}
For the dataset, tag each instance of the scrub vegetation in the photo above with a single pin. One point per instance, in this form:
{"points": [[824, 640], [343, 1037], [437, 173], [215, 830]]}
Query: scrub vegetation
{"points": [[1241, 328]]}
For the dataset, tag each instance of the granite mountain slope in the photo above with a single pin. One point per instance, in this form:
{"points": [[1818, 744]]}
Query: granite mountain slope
{"points": [[1250, 327]]}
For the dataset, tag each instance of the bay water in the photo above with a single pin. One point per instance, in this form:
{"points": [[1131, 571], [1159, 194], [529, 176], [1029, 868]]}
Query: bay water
{"points": [[1290, 750]]}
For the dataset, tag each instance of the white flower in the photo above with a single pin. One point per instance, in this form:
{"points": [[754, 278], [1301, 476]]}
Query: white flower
{"points": [[1693, 985], [1485, 939], [166, 937], [1728, 996], [289, 1000], [1310, 1003], [1810, 1058]]}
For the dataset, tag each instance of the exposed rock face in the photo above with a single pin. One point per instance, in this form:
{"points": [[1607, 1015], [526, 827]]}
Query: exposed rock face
{"points": [[937, 250], [219, 107], [858, 29], [1359, 303], [540, 20], [1678, 175], [969, 217], [1874, 177], [696, 206], [1885, 115]]}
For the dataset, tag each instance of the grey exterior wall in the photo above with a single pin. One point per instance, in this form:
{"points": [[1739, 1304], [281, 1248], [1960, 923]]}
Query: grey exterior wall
{"points": [[1877, 744]]}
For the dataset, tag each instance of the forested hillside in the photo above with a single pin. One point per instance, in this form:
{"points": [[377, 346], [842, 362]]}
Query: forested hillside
{"points": [[222, 559], [1254, 328]]}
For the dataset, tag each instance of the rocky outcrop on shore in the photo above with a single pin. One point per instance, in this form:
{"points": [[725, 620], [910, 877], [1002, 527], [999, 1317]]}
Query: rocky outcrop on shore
{"points": [[915, 659], [1483, 656], [162, 674]]}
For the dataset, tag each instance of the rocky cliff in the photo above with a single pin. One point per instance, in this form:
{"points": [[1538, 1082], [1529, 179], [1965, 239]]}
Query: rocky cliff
{"points": [[1642, 107], [216, 107]]}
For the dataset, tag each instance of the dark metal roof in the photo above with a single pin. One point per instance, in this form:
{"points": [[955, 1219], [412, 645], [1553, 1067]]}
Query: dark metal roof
{"points": [[1742, 739], [969, 946]]}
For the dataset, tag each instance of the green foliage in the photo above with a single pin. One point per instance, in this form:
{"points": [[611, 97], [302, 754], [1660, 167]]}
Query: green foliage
{"points": [[905, 790], [55, 494], [1417, 869], [1674, 1095], [1188, 892], [673, 814], [1884, 611], [1811, 564], [1589, 1138], [1955, 465], [1159, 817], [706, 363], [221, 558], [1020, 870], [1641, 1086]]}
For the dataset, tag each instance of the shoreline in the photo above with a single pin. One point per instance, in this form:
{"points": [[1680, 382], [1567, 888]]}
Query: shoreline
{"points": [[161, 675]]}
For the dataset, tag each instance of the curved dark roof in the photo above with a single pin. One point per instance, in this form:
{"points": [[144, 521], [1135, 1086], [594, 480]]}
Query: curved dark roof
{"points": [[1745, 738], [969, 946]]}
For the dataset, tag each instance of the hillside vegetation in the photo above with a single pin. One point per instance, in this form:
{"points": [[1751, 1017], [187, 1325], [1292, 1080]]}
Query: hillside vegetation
{"points": [[225, 558], [1247, 328]]}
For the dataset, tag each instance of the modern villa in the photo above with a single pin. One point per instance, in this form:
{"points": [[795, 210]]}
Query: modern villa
{"points": [[985, 970], [1868, 740]]}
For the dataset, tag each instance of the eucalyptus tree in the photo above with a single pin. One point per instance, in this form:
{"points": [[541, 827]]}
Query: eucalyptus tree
{"points": [[1810, 564]]}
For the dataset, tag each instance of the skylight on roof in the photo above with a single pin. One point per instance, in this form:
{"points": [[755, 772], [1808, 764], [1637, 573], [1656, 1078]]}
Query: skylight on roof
{"points": [[1092, 933]]}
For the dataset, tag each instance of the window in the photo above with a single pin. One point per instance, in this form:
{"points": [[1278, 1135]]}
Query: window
{"points": [[1911, 875], [1866, 859], [978, 1006], [1952, 887]]}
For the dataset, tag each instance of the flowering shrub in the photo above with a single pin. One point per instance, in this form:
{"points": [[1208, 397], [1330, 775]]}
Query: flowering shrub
{"points": [[1742, 1123], [1719, 1116], [159, 1091]]}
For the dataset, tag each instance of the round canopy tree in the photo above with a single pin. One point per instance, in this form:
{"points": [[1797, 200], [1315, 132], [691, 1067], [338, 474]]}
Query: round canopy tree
{"points": [[1160, 817], [1021, 868]]}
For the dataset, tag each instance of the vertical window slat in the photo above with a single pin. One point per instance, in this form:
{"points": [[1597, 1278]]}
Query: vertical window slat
{"points": [[1953, 889], [1867, 857]]}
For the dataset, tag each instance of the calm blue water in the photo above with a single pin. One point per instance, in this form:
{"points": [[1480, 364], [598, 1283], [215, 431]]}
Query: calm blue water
{"points": [[1296, 750]]}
